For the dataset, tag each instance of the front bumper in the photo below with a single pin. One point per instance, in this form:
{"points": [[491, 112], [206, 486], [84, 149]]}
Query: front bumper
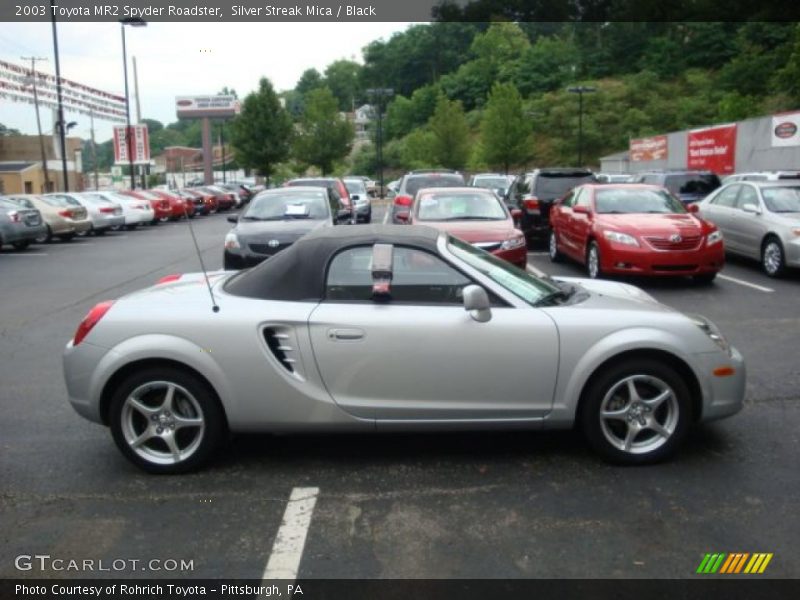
{"points": [[723, 396], [793, 252], [516, 256], [629, 260]]}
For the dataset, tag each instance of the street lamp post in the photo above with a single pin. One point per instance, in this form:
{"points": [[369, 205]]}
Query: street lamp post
{"points": [[380, 94], [133, 22], [580, 90], [62, 131]]}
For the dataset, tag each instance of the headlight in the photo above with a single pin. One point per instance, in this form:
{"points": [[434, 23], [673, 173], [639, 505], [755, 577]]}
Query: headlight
{"points": [[231, 241], [512, 243], [620, 238], [796, 231], [714, 238], [712, 331]]}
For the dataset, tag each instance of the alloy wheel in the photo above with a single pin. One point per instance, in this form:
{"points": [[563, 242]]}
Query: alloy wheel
{"points": [[593, 262], [773, 258]]}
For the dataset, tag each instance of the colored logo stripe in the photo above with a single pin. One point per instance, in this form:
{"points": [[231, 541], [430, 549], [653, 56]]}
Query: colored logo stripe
{"points": [[734, 563]]}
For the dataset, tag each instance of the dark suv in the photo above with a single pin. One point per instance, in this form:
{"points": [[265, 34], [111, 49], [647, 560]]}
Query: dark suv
{"points": [[534, 193], [689, 186], [414, 181]]}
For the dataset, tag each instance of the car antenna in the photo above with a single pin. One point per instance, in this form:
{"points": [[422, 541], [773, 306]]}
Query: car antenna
{"points": [[214, 305]]}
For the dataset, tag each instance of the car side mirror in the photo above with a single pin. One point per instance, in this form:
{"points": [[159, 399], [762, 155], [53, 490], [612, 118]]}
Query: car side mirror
{"points": [[751, 208], [403, 216], [233, 219], [476, 303], [693, 208]]}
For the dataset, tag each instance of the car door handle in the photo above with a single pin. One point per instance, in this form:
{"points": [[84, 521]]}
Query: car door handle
{"points": [[345, 334]]}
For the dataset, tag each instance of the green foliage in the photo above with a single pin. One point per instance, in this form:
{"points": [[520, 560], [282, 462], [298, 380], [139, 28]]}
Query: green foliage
{"points": [[404, 114], [4, 131], [324, 136], [505, 130], [261, 134], [418, 149], [450, 134], [343, 79]]}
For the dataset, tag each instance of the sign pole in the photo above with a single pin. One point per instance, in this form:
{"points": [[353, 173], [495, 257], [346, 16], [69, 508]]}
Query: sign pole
{"points": [[208, 174]]}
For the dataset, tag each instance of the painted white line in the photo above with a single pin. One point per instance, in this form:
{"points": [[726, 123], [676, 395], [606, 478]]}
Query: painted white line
{"points": [[287, 550], [760, 288], [538, 253], [25, 254], [535, 271]]}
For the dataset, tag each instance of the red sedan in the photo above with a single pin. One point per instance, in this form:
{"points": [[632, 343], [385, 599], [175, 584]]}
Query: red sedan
{"points": [[179, 206], [634, 230], [161, 206], [475, 215]]}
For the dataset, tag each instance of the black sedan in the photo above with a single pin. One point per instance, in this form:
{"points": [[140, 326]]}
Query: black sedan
{"points": [[275, 219]]}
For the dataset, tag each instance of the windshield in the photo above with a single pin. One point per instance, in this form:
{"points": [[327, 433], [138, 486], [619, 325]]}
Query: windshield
{"points": [[691, 184], [59, 200], [273, 207], [443, 206], [355, 186], [632, 200], [492, 183], [550, 185], [416, 183], [782, 199], [97, 199], [520, 283]]}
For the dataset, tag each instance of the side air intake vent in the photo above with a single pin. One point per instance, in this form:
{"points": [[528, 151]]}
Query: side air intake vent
{"points": [[282, 344]]}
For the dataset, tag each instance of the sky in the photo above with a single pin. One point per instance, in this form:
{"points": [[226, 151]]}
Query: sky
{"points": [[178, 59]]}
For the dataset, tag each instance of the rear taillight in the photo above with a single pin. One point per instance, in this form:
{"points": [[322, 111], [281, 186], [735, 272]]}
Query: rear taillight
{"points": [[90, 320], [107, 209], [403, 201], [65, 213], [168, 278], [14, 216], [531, 204]]}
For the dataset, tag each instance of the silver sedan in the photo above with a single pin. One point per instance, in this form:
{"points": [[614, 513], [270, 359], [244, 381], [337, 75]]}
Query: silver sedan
{"points": [[394, 328], [758, 219]]}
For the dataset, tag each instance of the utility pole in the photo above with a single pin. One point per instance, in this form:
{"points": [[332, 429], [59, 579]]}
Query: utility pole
{"points": [[94, 151], [142, 168], [33, 60], [222, 145], [580, 90], [380, 94], [62, 126]]}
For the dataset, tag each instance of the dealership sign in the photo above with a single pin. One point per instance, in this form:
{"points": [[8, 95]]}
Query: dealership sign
{"points": [[652, 148], [786, 129], [140, 145], [198, 107], [712, 149]]}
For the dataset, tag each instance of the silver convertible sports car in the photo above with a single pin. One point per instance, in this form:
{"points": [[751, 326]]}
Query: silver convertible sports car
{"points": [[386, 328]]}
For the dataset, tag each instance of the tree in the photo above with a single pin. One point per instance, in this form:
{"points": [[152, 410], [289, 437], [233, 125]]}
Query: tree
{"points": [[309, 80], [342, 77], [261, 134], [505, 130], [324, 136], [448, 125], [4, 131]]}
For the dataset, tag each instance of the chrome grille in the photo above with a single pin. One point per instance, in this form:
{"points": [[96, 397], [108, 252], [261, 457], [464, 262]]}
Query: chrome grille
{"points": [[488, 246], [686, 242], [267, 249]]}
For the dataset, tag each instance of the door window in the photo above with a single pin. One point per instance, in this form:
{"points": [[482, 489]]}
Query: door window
{"points": [[418, 277], [748, 195], [727, 197]]}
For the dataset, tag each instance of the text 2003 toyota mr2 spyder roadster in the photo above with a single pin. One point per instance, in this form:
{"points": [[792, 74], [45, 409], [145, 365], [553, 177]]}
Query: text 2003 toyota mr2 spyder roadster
{"points": [[394, 328]]}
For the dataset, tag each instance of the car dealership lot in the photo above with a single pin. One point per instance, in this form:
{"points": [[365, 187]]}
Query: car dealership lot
{"points": [[520, 504]]}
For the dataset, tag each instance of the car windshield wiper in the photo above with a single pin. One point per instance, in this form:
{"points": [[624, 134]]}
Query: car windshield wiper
{"points": [[470, 218], [248, 218], [551, 298]]}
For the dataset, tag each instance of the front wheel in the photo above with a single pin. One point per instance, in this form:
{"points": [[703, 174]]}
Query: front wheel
{"points": [[165, 420], [555, 255], [593, 268], [772, 258], [636, 412]]}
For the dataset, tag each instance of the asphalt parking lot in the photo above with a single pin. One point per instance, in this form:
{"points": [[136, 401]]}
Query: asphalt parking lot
{"points": [[485, 505]]}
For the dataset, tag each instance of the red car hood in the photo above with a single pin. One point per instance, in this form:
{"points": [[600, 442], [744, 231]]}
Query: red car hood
{"points": [[650, 224], [475, 231]]}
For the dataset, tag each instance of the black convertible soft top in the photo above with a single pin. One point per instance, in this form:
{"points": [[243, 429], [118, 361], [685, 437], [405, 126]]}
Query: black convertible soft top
{"points": [[298, 272]]}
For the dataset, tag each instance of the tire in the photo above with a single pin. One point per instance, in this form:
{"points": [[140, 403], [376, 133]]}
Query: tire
{"points": [[98, 232], [67, 237], [193, 420], [705, 278], [593, 268], [84, 233], [21, 245], [552, 251], [163, 219], [46, 237], [630, 425], [773, 258]]}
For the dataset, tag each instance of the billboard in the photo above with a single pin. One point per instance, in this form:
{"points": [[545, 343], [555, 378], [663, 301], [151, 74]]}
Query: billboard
{"points": [[215, 107], [652, 148], [712, 149], [786, 129], [140, 145]]}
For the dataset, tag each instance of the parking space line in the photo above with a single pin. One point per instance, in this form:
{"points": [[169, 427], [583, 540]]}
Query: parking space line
{"points": [[760, 288], [535, 271], [538, 253], [25, 254], [287, 550]]}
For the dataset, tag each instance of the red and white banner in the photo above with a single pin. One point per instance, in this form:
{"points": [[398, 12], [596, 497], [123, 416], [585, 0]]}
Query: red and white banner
{"points": [[712, 149], [140, 145], [786, 129], [652, 148]]}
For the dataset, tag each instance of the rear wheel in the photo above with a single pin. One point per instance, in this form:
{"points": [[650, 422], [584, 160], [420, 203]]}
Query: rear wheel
{"points": [[45, 237], [636, 412], [555, 255], [593, 261], [165, 420], [773, 260]]}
